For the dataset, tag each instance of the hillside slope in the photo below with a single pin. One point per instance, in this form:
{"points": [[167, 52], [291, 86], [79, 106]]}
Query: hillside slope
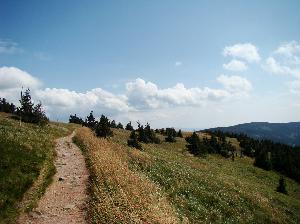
{"points": [[26, 163], [195, 190], [287, 133]]}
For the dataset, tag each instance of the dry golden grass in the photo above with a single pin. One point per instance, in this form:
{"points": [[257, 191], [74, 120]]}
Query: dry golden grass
{"points": [[118, 194]]}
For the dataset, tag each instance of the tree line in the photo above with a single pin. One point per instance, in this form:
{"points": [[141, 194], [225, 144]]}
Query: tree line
{"points": [[269, 155]]}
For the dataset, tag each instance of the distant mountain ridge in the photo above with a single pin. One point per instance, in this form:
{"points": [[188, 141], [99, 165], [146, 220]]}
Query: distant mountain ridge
{"points": [[287, 133]]}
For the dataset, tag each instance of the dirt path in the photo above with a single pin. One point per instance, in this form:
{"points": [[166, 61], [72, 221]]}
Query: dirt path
{"points": [[64, 200]]}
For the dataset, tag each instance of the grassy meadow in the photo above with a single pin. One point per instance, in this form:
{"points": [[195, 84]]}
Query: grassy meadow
{"points": [[26, 163], [166, 184]]}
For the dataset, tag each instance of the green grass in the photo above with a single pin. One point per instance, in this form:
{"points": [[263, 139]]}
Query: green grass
{"points": [[215, 189], [26, 163]]}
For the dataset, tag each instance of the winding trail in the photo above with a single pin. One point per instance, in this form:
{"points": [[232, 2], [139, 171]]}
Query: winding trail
{"points": [[65, 199]]}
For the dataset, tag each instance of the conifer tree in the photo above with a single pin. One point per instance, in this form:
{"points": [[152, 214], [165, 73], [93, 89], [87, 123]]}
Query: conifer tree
{"points": [[6, 106], [195, 147], [102, 128], [113, 124], [129, 126], [91, 121], [29, 112], [76, 120], [120, 126], [170, 138], [179, 134], [133, 141], [282, 185]]}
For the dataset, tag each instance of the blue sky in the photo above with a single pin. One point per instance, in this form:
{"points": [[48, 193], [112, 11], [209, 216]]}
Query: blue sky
{"points": [[79, 46]]}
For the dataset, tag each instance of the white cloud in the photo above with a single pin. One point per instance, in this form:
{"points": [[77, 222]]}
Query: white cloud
{"points": [[246, 51], [288, 49], [178, 63], [145, 95], [99, 100], [294, 86], [12, 77], [235, 84], [235, 65], [9, 47], [139, 96], [273, 66]]}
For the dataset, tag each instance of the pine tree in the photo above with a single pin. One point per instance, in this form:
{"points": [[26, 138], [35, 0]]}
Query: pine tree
{"points": [[29, 112], [129, 127], [91, 121], [76, 120], [113, 124], [103, 128], [179, 134], [146, 134], [195, 146], [133, 141], [170, 138], [120, 126], [282, 185], [6, 106]]}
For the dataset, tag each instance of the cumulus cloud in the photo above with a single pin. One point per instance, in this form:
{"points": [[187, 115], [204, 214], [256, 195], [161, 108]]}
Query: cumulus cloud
{"points": [[288, 49], [65, 100], [246, 51], [273, 66], [9, 47], [235, 65], [12, 80], [144, 95], [12, 77], [236, 85], [138, 96]]}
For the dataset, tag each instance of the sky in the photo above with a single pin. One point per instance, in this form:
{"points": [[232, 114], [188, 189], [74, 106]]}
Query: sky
{"points": [[183, 64]]}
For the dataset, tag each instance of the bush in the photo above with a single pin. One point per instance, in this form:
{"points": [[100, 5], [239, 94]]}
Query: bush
{"points": [[102, 128], [6, 106], [120, 126], [133, 141], [170, 138], [113, 124], [129, 127], [179, 134], [75, 120], [147, 135], [90, 121], [195, 146], [282, 186]]}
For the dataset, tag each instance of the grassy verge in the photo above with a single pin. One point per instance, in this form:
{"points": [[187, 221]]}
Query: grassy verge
{"points": [[118, 194], [26, 163]]}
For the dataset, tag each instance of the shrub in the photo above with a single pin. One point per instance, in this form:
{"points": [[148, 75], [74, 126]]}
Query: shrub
{"points": [[120, 126], [76, 120], [195, 146], [6, 106], [90, 121], [102, 128], [170, 138], [133, 141], [129, 126], [146, 134], [282, 186], [179, 134], [113, 124]]}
